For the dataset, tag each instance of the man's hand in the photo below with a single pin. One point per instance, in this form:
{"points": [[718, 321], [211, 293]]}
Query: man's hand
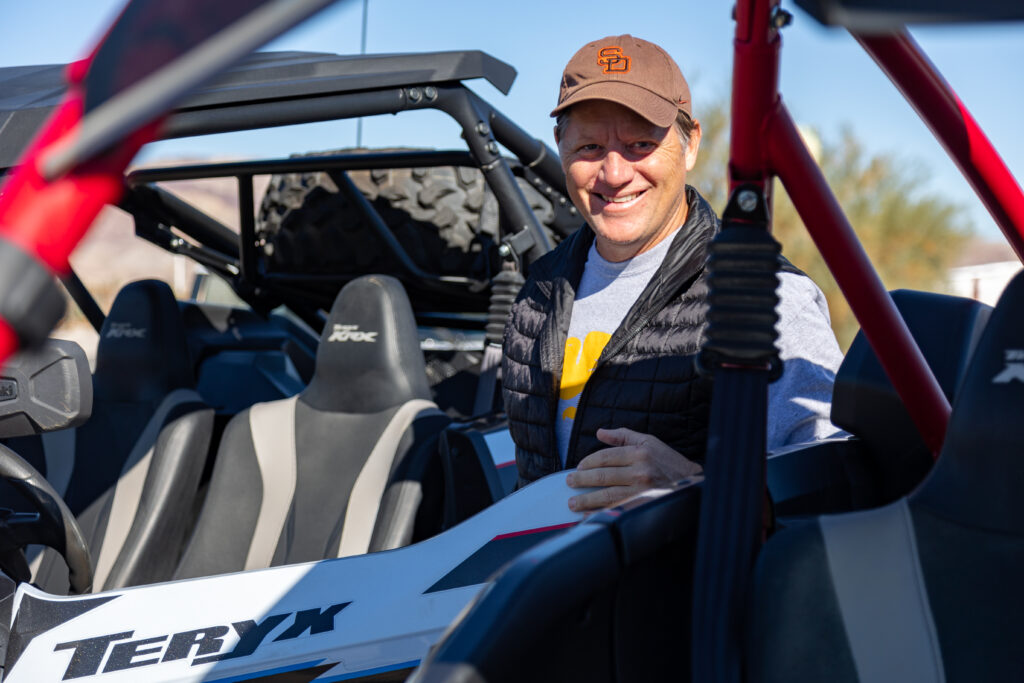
{"points": [[634, 463]]}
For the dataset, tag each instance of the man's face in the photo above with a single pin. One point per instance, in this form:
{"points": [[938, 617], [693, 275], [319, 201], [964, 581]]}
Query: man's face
{"points": [[625, 175]]}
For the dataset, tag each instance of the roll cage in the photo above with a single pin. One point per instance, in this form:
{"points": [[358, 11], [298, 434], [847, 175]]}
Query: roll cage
{"points": [[279, 89]]}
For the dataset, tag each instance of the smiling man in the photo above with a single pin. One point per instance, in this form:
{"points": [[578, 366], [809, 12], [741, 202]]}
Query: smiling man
{"points": [[598, 371]]}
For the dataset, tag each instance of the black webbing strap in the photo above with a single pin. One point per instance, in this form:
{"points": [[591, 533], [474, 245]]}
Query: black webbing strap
{"points": [[740, 353], [30, 300]]}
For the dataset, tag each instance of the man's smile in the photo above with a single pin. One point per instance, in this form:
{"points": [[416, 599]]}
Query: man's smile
{"points": [[621, 200]]}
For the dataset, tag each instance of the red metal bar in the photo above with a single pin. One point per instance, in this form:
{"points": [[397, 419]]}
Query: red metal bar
{"points": [[731, 516], [8, 341], [755, 80], [881, 322], [929, 94], [47, 219]]}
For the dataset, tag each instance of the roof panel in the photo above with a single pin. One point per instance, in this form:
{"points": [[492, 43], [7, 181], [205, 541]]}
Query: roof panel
{"points": [[29, 93]]}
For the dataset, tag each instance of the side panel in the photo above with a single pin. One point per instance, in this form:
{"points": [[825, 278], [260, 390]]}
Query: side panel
{"points": [[338, 619]]}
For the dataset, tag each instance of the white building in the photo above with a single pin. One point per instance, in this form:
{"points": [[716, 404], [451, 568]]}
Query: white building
{"points": [[984, 271]]}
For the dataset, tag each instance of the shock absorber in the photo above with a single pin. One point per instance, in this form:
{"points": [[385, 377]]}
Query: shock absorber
{"points": [[504, 289]]}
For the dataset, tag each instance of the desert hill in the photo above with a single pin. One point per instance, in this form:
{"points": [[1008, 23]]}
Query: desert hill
{"points": [[111, 255]]}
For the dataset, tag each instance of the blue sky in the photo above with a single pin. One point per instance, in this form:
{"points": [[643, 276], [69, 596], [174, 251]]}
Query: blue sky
{"points": [[827, 80]]}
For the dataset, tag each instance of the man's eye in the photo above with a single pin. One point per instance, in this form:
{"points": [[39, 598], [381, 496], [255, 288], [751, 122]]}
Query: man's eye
{"points": [[589, 148], [643, 146]]}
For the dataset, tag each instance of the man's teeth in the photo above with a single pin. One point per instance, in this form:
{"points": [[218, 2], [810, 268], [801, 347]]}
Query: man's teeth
{"points": [[620, 200]]}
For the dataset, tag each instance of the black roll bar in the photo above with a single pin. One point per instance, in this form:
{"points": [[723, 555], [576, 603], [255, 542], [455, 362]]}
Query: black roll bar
{"points": [[237, 254], [533, 153], [473, 113], [171, 210], [357, 198], [326, 162], [153, 225], [83, 299], [248, 257]]}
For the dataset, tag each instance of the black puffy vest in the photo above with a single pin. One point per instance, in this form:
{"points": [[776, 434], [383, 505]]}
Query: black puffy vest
{"points": [[645, 379]]}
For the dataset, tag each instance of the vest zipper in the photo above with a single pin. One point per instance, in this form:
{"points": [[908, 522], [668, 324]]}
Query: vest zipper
{"points": [[704, 227]]}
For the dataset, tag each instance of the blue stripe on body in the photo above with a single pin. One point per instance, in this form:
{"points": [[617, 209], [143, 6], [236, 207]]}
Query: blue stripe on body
{"points": [[369, 672], [268, 672]]}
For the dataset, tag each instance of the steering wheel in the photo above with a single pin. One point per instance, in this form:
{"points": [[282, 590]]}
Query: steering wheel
{"points": [[54, 525]]}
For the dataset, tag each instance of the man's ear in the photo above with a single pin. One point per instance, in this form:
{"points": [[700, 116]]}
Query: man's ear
{"points": [[693, 146], [557, 136]]}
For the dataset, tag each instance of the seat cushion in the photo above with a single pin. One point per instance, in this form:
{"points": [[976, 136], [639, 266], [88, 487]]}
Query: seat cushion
{"points": [[343, 468], [335, 484]]}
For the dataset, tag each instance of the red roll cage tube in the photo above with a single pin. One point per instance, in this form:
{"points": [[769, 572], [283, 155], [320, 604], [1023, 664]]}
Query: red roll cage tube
{"points": [[46, 219], [45, 212], [765, 143]]}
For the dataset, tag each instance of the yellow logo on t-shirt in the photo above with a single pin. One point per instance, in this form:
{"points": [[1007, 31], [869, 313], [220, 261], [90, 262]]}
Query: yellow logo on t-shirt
{"points": [[579, 363]]}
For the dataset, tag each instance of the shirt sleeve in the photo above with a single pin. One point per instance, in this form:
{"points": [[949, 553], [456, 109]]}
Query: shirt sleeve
{"points": [[800, 401]]}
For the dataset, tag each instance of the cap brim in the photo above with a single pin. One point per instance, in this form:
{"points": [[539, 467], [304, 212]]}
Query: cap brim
{"points": [[654, 108]]}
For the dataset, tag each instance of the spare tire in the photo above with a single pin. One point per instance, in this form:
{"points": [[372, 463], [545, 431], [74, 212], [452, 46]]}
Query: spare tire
{"points": [[446, 219]]}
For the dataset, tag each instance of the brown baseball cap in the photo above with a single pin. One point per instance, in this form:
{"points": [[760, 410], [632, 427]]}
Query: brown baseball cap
{"points": [[628, 71]]}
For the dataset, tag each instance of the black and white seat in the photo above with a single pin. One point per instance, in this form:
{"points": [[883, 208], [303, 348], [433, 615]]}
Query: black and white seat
{"points": [[130, 474], [347, 466], [886, 457], [926, 588], [947, 330]]}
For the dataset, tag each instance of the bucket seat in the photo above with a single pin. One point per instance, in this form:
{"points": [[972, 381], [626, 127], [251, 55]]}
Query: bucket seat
{"points": [[926, 588], [130, 474], [347, 466]]}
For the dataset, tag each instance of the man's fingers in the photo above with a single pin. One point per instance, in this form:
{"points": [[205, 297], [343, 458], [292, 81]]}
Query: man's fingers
{"points": [[621, 456], [620, 437], [601, 476], [596, 500]]}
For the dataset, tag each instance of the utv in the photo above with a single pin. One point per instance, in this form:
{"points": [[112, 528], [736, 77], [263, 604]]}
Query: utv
{"points": [[393, 415], [260, 505]]}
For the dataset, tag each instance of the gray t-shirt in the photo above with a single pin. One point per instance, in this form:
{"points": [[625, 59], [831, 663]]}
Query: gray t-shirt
{"points": [[798, 403]]}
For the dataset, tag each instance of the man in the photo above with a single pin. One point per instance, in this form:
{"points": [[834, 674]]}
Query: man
{"points": [[598, 370]]}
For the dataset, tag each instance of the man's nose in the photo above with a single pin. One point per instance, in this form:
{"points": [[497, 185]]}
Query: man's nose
{"points": [[616, 169]]}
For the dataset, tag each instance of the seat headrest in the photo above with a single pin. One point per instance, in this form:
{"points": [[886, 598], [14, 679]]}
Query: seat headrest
{"points": [[142, 353], [369, 358], [864, 402], [979, 477]]}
